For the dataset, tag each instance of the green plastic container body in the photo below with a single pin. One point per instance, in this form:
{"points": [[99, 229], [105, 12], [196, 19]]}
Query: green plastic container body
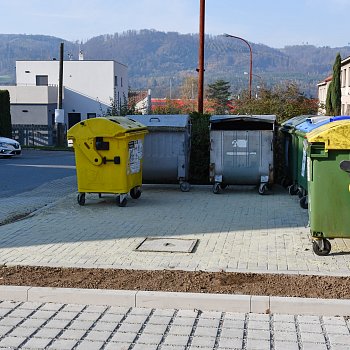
{"points": [[300, 134], [328, 175], [291, 146], [329, 196]]}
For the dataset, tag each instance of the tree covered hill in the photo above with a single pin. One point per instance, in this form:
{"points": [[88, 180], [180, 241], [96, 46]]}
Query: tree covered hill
{"points": [[157, 60]]}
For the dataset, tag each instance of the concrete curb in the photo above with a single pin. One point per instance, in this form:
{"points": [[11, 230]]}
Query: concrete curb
{"points": [[177, 300]]}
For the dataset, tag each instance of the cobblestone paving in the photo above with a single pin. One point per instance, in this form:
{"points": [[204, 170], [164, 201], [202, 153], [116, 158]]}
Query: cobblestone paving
{"points": [[68, 326], [238, 230]]}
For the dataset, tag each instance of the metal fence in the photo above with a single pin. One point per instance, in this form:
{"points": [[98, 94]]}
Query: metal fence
{"points": [[34, 135]]}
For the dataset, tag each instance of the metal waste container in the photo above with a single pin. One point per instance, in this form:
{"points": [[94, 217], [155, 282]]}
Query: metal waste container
{"points": [[108, 156], [167, 149], [241, 150], [328, 173], [290, 151]]}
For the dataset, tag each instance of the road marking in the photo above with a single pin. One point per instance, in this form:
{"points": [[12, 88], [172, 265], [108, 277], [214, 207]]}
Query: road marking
{"points": [[45, 166]]}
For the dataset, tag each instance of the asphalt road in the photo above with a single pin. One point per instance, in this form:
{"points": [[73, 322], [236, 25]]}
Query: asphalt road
{"points": [[32, 169]]}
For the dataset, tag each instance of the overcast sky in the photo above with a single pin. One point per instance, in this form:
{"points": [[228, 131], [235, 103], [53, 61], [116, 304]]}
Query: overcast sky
{"points": [[272, 22]]}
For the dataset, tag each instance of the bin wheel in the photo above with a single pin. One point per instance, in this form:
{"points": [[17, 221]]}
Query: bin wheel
{"points": [[121, 203], [135, 193], [322, 251], [217, 188], [304, 202], [292, 190], [81, 198], [262, 189], [185, 186]]}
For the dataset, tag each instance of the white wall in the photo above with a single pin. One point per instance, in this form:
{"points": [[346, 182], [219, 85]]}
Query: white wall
{"points": [[88, 85], [345, 88]]}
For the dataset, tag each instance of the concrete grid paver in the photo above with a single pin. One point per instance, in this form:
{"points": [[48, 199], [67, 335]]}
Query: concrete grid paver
{"points": [[242, 331]]}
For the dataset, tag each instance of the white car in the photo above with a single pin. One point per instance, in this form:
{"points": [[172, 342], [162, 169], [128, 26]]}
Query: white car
{"points": [[9, 147]]}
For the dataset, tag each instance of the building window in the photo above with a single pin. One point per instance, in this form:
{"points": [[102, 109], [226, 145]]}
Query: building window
{"points": [[116, 80], [42, 80], [91, 115], [121, 81], [344, 80]]}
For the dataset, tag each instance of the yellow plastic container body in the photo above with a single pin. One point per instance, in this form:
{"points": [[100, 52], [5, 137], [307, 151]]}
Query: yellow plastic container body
{"points": [[108, 154]]}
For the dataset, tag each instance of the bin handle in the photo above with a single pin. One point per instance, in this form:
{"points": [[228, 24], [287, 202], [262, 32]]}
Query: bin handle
{"points": [[345, 165], [154, 119]]}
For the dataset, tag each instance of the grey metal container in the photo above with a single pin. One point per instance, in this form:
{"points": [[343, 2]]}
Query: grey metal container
{"points": [[241, 150], [166, 149]]}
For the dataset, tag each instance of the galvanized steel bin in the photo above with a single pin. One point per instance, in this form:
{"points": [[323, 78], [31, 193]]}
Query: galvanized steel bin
{"points": [[241, 151], [166, 149]]}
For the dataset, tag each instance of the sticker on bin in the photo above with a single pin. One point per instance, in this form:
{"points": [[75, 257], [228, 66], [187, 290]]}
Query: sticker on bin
{"points": [[218, 178], [264, 179], [135, 156]]}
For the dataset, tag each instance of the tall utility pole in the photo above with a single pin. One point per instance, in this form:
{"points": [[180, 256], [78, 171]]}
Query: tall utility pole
{"points": [[59, 112], [200, 68]]}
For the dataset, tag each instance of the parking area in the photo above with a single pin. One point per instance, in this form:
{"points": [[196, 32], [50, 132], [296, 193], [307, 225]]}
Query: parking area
{"points": [[238, 230]]}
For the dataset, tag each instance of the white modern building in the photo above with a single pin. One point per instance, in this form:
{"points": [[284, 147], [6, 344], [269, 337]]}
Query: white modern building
{"points": [[90, 88], [345, 88]]}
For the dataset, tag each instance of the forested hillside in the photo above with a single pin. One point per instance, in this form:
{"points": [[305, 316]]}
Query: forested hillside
{"points": [[154, 58]]}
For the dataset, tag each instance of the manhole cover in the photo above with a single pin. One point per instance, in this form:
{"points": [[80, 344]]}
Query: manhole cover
{"points": [[170, 245]]}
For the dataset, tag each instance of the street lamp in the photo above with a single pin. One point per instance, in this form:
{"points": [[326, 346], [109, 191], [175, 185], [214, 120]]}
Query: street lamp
{"points": [[251, 61], [258, 76]]}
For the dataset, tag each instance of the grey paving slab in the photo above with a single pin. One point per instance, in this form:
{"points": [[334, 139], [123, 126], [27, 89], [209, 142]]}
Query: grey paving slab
{"points": [[237, 231], [242, 331]]}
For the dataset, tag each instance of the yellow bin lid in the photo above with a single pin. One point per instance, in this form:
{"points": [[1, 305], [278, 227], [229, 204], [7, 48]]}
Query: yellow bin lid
{"points": [[334, 135], [105, 127]]}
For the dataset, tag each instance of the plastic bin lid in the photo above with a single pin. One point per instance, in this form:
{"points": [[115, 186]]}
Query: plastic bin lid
{"points": [[340, 117], [172, 121], [259, 118], [312, 123], [335, 135], [293, 122], [104, 127]]}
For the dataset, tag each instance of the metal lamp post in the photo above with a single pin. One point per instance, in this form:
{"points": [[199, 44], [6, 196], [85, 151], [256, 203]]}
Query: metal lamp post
{"points": [[251, 60]]}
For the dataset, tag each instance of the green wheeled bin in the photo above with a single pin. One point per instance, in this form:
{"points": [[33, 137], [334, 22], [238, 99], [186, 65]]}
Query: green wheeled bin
{"points": [[290, 151], [328, 173], [300, 134]]}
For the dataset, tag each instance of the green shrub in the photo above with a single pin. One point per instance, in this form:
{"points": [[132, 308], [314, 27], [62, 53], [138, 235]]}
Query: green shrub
{"points": [[199, 160]]}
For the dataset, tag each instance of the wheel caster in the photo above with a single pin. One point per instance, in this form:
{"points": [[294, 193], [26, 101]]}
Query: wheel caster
{"points": [[217, 188], [185, 186], [135, 193], [292, 190], [304, 202], [262, 189], [321, 247], [81, 198], [121, 202]]}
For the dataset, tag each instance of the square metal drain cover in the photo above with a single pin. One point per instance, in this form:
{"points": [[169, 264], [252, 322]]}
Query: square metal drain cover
{"points": [[170, 245]]}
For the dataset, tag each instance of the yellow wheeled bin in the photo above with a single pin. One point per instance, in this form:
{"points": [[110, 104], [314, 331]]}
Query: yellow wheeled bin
{"points": [[108, 156]]}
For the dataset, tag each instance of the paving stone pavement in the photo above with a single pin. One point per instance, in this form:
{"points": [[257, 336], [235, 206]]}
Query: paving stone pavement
{"points": [[70, 326], [238, 230], [25, 203]]}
